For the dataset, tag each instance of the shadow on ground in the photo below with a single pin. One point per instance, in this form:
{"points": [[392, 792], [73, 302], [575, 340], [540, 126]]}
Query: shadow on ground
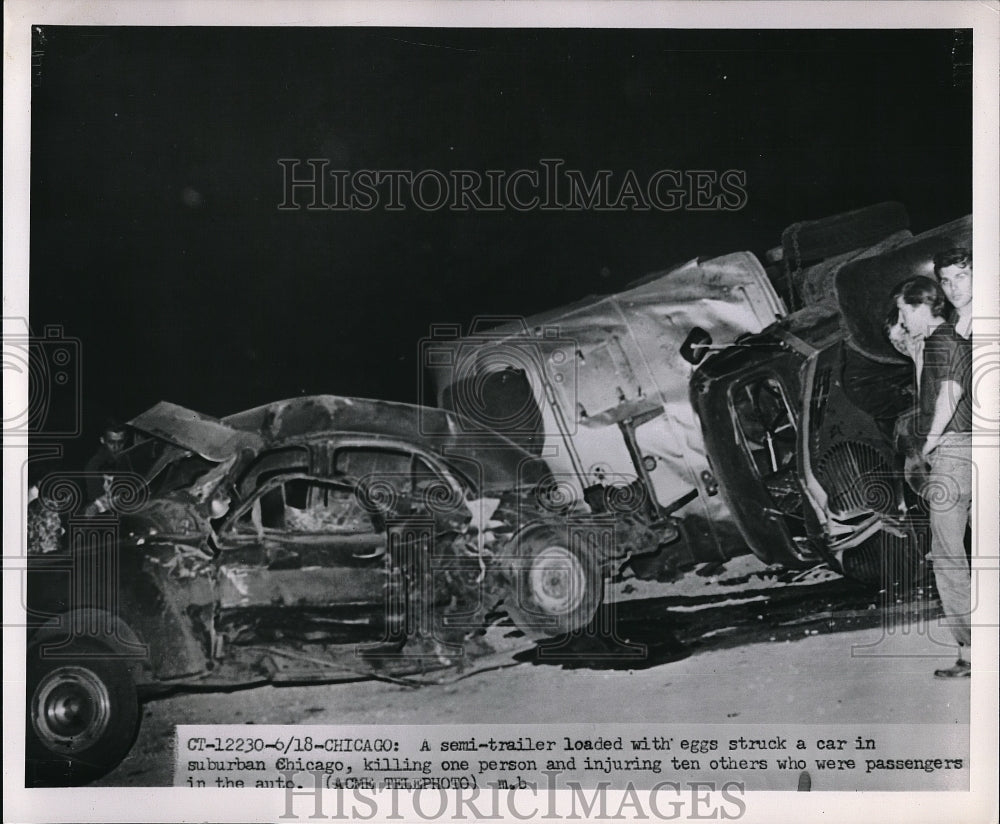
{"points": [[642, 633]]}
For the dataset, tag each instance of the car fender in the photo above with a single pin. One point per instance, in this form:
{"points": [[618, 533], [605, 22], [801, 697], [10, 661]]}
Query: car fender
{"points": [[600, 540], [54, 637], [172, 603]]}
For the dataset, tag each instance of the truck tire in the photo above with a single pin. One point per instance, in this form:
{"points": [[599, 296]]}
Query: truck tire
{"points": [[886, 563], [554, 588], [82, 715]]}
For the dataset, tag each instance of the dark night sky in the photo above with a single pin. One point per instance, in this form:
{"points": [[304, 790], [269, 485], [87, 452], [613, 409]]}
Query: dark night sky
{"points": [[156, 237]]}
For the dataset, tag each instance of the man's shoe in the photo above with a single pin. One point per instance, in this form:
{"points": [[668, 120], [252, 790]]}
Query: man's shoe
{"points": [[960, 669]]}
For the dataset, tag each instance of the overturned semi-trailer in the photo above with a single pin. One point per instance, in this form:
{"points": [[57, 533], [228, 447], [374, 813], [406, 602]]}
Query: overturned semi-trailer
{"points": [[601, 388]]}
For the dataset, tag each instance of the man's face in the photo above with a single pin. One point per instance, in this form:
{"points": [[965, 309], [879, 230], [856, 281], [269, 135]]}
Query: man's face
{"points": [[915, 318], [114, 441], [956, 283], [899, 339]]}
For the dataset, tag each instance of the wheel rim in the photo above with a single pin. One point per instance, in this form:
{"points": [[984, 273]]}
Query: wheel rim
{"points": [[557, 580], [71, 709]]}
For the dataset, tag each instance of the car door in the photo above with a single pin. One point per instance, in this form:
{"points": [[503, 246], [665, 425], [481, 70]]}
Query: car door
{"points": [[303, 558], [768, 494]]}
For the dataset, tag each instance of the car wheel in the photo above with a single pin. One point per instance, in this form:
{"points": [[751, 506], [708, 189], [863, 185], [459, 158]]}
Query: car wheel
{"points": [[555, 588], [82, 716]]}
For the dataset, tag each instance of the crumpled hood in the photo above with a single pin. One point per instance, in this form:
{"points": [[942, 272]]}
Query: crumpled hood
{"points": [[198, 433]]}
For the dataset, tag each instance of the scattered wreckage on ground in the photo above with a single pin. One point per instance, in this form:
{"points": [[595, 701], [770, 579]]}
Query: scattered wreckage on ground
{"points": [[327, 538]]}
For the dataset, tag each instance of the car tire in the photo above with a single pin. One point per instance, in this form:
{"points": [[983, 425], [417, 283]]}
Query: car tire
{"points": [[555, 588], [82, 716]]}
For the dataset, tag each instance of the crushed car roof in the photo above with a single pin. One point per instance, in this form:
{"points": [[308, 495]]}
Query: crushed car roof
{"points": [[300, 417], [494, 460]]}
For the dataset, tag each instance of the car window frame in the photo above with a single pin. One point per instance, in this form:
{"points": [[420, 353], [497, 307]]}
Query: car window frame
{"points": [[229, 536], [455, 479], [737, 386]]}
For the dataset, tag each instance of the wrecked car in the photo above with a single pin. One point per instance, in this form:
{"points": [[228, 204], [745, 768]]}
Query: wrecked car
{"points": [[798, 420], [316, 539]]}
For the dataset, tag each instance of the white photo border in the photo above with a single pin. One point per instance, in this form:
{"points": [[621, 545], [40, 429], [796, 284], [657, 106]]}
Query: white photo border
{"points": [[168, 804]]}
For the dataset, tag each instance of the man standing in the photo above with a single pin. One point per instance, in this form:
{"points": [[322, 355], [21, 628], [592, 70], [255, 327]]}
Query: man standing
{"points": [[107, 462], [944, 423], [953, 269]]}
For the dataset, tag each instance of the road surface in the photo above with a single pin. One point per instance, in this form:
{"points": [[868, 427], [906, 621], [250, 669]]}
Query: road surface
{"points": [[737, 644]]}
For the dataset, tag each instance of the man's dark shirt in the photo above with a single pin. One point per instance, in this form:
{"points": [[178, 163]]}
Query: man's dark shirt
{"points": [[947, 357], [104, 463]]}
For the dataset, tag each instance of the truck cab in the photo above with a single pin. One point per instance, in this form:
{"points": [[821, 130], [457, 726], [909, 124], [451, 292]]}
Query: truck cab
{"points": [[799, 420]]}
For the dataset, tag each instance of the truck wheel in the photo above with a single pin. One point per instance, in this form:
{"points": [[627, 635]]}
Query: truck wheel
{"points": [[885, 562], [82, 716], [555, 588]]}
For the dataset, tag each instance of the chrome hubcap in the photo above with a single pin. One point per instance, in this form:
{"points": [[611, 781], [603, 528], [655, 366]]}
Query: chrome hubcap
{"points": [[70, 709], [557, 580]]}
